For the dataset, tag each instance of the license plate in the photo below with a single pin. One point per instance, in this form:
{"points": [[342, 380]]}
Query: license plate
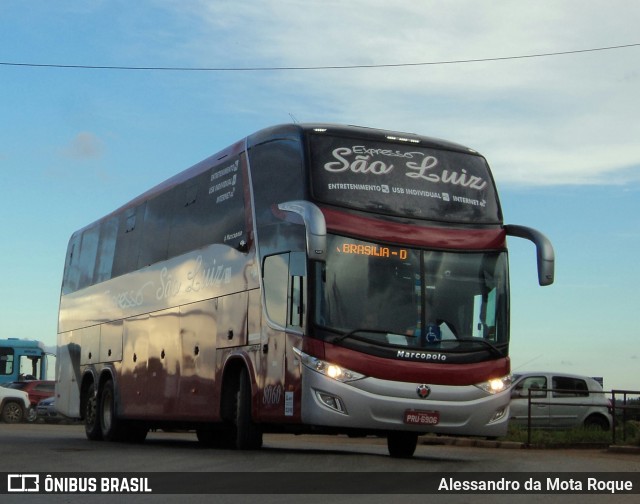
{"points": [[414, 417]]}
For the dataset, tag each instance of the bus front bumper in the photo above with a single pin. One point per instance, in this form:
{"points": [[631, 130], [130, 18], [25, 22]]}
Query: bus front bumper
{"points": [[382, 405]]}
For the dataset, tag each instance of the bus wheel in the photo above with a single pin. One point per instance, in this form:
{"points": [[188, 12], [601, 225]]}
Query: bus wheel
{"points": [[247, 435], [109, 423], [12, 412], [402, 444], [134, 432], [91, 422]]}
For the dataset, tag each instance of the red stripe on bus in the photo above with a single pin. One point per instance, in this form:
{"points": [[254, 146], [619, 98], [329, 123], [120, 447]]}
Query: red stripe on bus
{"points": [[410, 234], [401, 369]]}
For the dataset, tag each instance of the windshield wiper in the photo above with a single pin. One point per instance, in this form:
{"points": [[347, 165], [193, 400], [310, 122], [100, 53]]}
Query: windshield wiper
{"points": [[350, 334], [492, 348]]}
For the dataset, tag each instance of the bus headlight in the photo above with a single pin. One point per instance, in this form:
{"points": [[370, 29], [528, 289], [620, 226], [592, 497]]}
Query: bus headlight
{"points": [[328, 369], [495, 385]]}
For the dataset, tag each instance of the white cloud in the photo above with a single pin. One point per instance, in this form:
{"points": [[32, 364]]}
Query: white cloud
{"points": [[84, 145], [553, 120]]}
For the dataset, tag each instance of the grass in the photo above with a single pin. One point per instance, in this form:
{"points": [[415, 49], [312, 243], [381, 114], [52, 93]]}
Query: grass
{"points": [[575, 437], [631, 431]]}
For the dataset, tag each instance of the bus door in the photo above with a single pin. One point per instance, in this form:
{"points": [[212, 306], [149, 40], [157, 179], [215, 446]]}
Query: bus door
{"points": [[284, 280]]}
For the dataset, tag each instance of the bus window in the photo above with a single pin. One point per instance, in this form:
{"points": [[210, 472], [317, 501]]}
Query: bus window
{"points": [[484, 315], [276, 278], [72, 269], [127, 243], [6, 361], [106, 249], [157, 226], [30, 368], [186, 230], [297, 270], [296, 309], [88, 252]]}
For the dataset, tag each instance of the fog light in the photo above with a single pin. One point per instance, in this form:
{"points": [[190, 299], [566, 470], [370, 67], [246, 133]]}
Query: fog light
{"points": [[331, 401], [499, 414]]}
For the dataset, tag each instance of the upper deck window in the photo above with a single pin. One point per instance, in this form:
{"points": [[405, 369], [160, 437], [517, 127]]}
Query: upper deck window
{"points": [[403, 179]]}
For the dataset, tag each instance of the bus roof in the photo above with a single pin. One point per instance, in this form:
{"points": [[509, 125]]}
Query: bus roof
{"points": [[288, 130], [282, 131], [22, 343]]}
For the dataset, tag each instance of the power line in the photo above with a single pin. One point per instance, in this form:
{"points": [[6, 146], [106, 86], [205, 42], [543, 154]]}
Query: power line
{"points": [[319, 67]]}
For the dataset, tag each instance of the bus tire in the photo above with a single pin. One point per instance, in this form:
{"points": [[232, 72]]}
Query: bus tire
{"points": [[248, 435], [91, 421], [12, 412], [402, 444], [110, 425], [133, 431]]}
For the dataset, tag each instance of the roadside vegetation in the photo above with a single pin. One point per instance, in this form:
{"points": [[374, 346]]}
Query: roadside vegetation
{"points": [[631, 431], [576, 437]]}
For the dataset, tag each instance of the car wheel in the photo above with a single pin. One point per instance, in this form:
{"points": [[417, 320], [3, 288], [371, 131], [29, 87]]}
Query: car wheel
{"points": [[12, 412], [32, 415], [596, 422]]}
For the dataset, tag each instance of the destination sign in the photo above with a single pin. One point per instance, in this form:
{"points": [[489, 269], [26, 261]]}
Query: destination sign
{"points": [[373, 250]]}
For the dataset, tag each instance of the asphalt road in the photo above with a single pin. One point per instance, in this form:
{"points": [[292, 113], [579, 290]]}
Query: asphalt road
{"points": [[41, 448]]}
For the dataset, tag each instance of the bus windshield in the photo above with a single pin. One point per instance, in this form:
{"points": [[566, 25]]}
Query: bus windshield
{"points": [[403, 297]]}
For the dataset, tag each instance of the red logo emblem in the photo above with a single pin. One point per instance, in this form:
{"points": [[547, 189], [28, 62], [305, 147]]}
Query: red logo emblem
{"points": [[423, 391]]}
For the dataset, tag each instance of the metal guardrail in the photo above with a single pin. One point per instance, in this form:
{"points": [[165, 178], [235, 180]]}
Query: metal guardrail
{"points": [[615, 408], [625, 407]]}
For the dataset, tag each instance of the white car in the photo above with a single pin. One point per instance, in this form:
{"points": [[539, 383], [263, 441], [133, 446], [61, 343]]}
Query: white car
{"points": [[14, 406], [559, 401]]}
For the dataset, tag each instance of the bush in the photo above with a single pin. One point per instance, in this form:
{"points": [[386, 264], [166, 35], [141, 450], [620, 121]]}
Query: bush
{"points": [[541, 438], [631, 430]]}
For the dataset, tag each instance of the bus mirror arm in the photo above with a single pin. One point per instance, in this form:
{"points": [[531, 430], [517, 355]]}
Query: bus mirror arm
{"points": [[315, 225], [544, 251]]}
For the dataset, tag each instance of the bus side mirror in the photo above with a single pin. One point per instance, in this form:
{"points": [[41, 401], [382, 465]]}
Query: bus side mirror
{"points": [[544, 251], [315, 225]]}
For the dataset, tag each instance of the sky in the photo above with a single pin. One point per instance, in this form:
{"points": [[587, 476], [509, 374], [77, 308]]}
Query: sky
{"points": [[547, 91]]}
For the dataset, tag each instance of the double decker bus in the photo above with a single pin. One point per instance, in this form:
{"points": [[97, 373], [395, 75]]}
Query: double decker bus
{"points": [[308, 278]]}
